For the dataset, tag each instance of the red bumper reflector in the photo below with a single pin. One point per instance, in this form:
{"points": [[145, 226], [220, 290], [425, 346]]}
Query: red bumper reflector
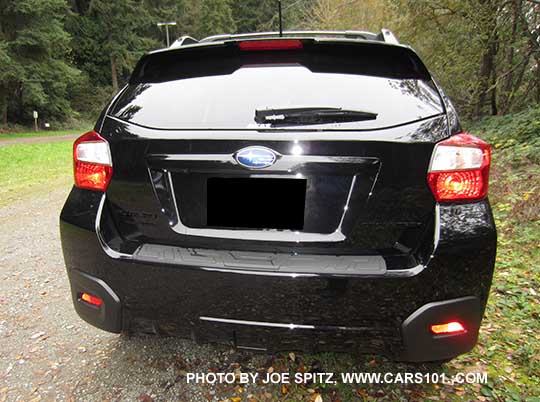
{"points": [[277, 44], [93, 300], [452, 327]]}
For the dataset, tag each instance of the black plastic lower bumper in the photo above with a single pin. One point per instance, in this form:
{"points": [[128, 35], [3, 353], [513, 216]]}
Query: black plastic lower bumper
{"points": [[418, 343], [108, 316]]}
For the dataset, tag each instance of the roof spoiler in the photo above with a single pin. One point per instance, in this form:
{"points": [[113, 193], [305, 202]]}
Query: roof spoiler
{"points": [[224, 57]]}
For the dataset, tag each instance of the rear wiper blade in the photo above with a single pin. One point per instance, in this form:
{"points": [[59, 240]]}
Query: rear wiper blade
{"points": [[310, 115]]}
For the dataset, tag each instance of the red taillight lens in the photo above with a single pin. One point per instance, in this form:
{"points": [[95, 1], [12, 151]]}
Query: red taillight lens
{"points": [[276, 44], [90, 299], [453, 327], [92, 162], [459, 169]]}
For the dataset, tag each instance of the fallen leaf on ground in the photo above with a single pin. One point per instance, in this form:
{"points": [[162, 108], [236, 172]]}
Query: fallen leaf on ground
{"points": [[316, 398], [37, 335]]}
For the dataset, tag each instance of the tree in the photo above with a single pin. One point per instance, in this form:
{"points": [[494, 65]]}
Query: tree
{"points": [[362, 15], [9, 76], [34, 47], [486, 16], [119, 24], [216, 17], [185, 13], [486, 53], [253, 15]]}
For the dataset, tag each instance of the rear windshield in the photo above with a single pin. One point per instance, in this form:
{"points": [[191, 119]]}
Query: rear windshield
{"points": [[222, 88], [229, 101]]}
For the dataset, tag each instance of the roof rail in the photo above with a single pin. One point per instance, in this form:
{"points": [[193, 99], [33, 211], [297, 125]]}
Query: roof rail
{"points": [[344, 34], [387, 36], [182, 41]]}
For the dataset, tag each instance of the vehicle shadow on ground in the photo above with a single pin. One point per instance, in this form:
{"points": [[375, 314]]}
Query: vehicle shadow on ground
{"points": [[152, 368]]}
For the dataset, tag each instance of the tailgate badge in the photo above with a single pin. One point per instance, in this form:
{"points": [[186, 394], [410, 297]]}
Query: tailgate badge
{"points": [[256, 157]]}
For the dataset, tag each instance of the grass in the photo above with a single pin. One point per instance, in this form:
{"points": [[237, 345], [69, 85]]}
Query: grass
{"points": [[30, 168], [32, 134]]}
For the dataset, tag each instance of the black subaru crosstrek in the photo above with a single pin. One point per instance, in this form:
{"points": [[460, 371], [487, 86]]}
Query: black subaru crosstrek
{"points": [[311, 191]]}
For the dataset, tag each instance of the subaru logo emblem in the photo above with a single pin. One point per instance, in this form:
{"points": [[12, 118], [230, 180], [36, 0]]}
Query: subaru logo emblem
{"points": [[256, 157]]}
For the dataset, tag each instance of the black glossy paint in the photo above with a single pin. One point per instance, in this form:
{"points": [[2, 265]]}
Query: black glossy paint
{"points": [[433, 253], [373, 223]]}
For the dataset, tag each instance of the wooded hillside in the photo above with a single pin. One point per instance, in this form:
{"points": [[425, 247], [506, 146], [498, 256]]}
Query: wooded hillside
{"points": [[66, 57]]}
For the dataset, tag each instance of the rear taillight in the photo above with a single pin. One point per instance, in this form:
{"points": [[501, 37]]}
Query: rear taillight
{"points": [[92, 162], [274, 44], [459, 169]]}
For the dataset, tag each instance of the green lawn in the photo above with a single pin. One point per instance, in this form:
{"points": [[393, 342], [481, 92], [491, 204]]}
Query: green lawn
{"points": [[27, 168], [30, 134]]}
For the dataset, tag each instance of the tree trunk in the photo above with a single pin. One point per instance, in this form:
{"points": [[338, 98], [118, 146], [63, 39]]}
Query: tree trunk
{"points": [[485, 74], [19, 93], [489, 11], [520, 73], [4, 109], [538, 82], [493, 91], [508, 79], [114, 74], [75, 6]]}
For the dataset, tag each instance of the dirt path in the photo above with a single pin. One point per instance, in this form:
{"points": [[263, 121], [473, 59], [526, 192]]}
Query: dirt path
{"points": [[48, 353], [37, 140]]}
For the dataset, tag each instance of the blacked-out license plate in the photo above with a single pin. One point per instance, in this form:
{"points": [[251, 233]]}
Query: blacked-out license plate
{"points": [[256, 203]]}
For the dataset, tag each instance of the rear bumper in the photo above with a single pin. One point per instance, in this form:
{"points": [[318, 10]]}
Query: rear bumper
{"points": [[417, 343], [384, 313]]}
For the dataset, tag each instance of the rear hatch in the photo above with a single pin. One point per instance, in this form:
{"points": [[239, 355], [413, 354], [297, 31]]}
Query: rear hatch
{"points": [[321, 148]]}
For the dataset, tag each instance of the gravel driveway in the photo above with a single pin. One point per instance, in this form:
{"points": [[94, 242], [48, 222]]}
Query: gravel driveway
{"points": [[48, 353], [37, 140]]}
